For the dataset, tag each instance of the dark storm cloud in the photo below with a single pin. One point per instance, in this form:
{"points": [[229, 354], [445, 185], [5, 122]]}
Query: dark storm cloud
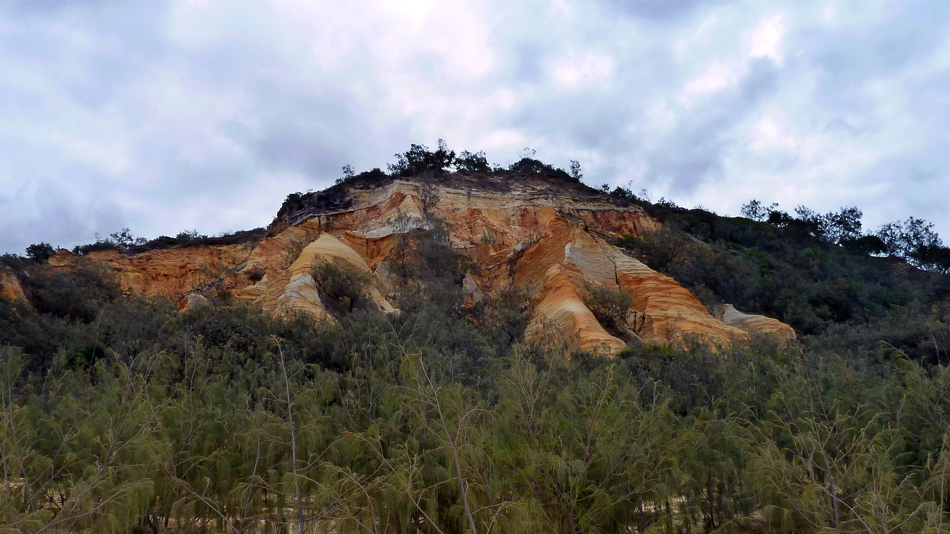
{"points": [[180, 115]]}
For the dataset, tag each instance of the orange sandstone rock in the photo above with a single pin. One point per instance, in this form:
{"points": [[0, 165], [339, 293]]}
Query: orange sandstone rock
{"points": [[518, 234], [10, 287]]}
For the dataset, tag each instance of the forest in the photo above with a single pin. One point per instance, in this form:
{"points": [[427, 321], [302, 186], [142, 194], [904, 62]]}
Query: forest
{"points": [[120, 414]]}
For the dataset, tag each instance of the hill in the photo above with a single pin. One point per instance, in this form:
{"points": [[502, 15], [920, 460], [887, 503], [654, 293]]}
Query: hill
{"points": [[448, 347], [535, 230]]}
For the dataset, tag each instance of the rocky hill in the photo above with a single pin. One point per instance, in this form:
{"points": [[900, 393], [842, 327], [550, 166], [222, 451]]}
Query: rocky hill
{"points": [[540, 232]]}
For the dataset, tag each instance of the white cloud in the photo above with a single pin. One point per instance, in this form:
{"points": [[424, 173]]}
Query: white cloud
{"points": [[766, 39], [582, 69]]}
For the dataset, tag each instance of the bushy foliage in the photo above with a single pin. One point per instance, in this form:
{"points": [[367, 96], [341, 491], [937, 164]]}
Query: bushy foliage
{"points": [[610, 306], [419, 159], [912, 240], [404, 421], [73, 295], [120, 414], [124, 242], [915, 241], [40, 252], [821, 289], [504, 317], [342, 290], [469, 162]]}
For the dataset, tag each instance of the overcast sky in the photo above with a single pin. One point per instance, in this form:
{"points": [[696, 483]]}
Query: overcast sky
{"points": [[204, 115]]}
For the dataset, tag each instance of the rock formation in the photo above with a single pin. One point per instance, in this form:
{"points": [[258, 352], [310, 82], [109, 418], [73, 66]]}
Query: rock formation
{"points": [[10, 286], [756, 324], [553, 239]]}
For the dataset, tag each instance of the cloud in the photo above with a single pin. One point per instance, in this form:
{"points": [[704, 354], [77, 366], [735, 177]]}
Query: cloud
{"points": [[658, 9], [170, 116]]}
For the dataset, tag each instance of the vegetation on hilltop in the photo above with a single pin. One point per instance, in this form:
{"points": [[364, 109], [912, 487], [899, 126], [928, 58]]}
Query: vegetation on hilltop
{"points": [[806, 272], [123, 241], [441, 165]]}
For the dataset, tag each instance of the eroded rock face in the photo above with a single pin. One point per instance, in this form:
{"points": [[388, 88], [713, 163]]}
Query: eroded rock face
{"points": [[10, 287], [193, 301], [171, 273], [756, 324], [518, 234]]}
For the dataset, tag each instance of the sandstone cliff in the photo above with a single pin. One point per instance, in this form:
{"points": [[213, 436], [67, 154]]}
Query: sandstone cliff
{"points": [[10, 287], [550, 238]]}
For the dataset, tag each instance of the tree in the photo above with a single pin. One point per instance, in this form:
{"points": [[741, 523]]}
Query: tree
{"points": [[122, 239], [470, 162], [914, 240], [844, 226], [610, 306], [419, 159], [342, 290], [576, 170], [348, 174], [757, 211], [429, 197], [40, 252], [868, 245]]}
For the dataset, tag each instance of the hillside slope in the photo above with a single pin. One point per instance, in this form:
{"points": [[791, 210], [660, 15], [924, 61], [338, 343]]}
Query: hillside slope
{"points": [[537, 232]]}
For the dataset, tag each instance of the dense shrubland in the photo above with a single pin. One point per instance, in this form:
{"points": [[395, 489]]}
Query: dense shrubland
{"points": [[806, 272], [119, 414]]}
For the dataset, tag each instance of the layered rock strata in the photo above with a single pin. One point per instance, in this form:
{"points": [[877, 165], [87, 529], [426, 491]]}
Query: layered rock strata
{"points": [[528, 234]]}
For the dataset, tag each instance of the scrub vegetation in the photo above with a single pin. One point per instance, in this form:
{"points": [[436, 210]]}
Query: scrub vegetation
{"points": [[120, 414]]}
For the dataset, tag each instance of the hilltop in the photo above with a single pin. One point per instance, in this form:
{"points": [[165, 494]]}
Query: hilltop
{"points": [[535, 230]]}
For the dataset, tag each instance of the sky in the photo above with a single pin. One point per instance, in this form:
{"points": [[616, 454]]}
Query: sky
{"points": [[203, 115]]}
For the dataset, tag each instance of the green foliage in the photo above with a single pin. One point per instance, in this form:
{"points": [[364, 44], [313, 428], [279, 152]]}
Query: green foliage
{"points": [[834, 296], [124, 242], [756, 210], [219, 417], [40, 252], [529, 166], [504, 318], [74, 296], [430, 271], [576, 173], [610, 306], [419, 159], [915, 241], [469, 162], [348, 175], [342, 290], [120, 414]]}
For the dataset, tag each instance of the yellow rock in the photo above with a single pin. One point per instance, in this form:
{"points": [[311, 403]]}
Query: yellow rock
{"points": [[756, 324], [10, 287]]}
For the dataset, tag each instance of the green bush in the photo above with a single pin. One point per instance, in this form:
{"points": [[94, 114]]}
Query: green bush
{"points": [[40, 252], [610, 306], [75, 295], [342, 290]]}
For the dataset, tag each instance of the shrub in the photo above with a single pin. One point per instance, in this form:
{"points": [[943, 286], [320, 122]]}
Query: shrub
{"points": [[468, 162], [40, 252], [504, 317], [342, 290], [73, 295], [609, 306], [419, 159]]}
